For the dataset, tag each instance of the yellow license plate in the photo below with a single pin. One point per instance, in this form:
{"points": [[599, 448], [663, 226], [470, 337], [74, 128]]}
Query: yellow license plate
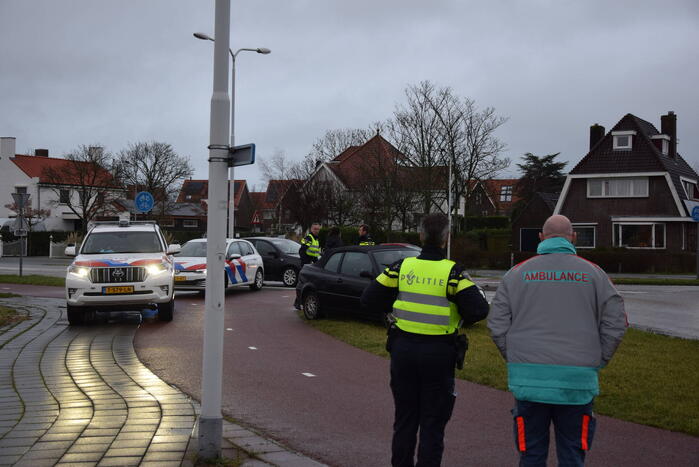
{"points": [[113, 290], [180, 278]]}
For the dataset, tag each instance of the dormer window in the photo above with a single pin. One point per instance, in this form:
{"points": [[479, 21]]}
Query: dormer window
{"points": [[623, 140], [662, 142], [506, 193], [690, 188]]}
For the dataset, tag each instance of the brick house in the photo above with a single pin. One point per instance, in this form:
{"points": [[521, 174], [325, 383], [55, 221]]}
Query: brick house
{"points": [[269, 210], [527, 225], [491, 197], [196, 192], [632, 189]]}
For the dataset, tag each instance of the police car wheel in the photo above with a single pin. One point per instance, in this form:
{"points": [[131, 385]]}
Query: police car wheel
{"points": [[165, 310], [259, 279], [290, 277], [311, 306]]}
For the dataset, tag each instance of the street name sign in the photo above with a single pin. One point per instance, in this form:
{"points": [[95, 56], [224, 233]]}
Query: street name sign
{"points": [[241, 155]]}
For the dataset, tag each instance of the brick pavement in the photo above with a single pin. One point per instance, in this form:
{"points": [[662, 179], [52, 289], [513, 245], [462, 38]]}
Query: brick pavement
{"points": [[80, 396]]}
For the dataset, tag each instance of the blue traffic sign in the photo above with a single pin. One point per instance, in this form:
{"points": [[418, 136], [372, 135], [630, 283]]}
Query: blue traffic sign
{"points": [[695, 213], [144, 201]]}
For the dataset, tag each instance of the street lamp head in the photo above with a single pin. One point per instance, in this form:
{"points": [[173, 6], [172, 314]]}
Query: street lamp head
{"points": [[263, 50], [202, 36]]}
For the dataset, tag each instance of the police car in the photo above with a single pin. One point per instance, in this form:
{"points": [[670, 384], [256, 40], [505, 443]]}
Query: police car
{"points": [[121, 266], [242, 266]]}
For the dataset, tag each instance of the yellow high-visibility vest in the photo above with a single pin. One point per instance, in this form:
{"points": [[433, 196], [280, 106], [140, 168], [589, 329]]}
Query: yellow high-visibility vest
{"points": [[422, 306], [313, 249]]}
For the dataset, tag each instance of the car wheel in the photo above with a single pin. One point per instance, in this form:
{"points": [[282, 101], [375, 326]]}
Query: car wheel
{"points": [[165, 310], [290, 277], [311, 306], [259, 278], [75, 316]]}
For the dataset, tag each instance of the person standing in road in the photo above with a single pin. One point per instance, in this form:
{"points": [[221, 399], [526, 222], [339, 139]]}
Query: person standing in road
{"points": [[364, 237], [334, 239], [556, 319], [310, 246], [430, 297]]}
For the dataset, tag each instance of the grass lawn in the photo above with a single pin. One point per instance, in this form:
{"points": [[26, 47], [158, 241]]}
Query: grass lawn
{"points": [[32, 279], [652, 379], [10, 316]]}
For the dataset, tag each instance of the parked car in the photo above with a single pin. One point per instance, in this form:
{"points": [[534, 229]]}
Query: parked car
{"points": [[242, 266], [337, 281], [280, 257], [121, 266]]}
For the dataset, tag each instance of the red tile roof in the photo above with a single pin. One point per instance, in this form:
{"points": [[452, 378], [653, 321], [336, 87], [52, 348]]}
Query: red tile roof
{"points": [[198, 190], [350, 165], [37, 166]]}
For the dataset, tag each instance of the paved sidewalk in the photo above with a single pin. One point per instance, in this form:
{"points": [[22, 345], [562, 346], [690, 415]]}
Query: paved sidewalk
{"points": [[80, 396]]}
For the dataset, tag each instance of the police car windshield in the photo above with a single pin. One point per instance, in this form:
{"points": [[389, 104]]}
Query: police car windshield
{"points": [[196, 249], [388, 257], [288, 247], [121, 242]]}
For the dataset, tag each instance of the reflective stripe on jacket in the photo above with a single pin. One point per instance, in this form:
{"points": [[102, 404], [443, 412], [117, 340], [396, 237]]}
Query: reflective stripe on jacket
{"points": [[422, 306]]}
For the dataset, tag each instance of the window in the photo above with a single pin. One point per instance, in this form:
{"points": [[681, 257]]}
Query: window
{"points": [[264, 248], [267, 215], [586, 236], [21, 189], [666, 147], [64, 197], [354, 263], [622, 140], [190, 223], [690, 188], [617, 187], [506, 193], [245, 248], [333, 262], [233, 249], [121, 242], [639, 235]]}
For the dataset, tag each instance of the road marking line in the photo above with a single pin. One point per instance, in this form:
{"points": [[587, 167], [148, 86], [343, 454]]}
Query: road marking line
{"points": [[310, 375], [252, 348], [631, 291]]}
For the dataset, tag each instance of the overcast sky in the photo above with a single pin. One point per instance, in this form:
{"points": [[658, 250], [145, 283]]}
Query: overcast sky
{"points": [[111, 72]]}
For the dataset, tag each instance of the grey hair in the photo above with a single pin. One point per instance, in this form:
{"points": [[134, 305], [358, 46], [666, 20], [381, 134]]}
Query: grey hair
{"points": [[435, 229]]}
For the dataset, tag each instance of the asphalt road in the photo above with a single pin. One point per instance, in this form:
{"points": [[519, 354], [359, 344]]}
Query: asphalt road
{"points": [[332, 401]]}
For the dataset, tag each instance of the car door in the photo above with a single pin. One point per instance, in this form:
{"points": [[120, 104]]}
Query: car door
{"points": [[232, 269], [270, 258], [248, 263], [326, 281], [350, 283]]}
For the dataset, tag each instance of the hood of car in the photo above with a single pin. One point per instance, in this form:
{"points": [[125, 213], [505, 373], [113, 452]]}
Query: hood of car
{"points": [[120, 260]]}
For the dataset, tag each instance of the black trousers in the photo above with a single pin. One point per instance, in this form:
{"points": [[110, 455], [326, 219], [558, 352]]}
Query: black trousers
{"points": [[422, 381]]}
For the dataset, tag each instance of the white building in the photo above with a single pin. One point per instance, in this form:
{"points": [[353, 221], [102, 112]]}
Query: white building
{"points": [[25, 173]]}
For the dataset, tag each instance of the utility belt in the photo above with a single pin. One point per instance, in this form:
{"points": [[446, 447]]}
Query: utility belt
{"points": [[460, 341]]}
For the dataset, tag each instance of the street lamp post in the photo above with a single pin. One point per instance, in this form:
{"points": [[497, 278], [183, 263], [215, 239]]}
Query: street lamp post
{"points": [[230, 224]]}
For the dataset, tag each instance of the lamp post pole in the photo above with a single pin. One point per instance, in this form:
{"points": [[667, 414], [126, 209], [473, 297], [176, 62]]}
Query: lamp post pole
{"points": [[211, 420], [230, 215]]}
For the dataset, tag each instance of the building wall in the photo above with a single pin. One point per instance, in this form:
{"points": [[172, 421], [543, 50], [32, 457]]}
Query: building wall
{"points": [[533, 216]]}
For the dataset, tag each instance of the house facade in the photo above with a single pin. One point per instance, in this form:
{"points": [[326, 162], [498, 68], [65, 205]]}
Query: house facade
{"points": [[27, 174], [193, 199], [491, 197], [632, 189]]}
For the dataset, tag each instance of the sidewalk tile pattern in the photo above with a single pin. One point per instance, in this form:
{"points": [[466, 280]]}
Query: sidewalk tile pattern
{"points": [[80, 396]]}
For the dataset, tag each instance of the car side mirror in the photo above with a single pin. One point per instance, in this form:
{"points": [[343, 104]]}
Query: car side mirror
{"points": [[173, 249], [367, 274], [70, 251], [234, 256], [273, 254]]}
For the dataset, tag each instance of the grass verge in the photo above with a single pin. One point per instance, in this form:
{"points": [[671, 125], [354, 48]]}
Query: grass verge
{"points": [[651, 380], [9, 316], [32, 279], [652, 281]]}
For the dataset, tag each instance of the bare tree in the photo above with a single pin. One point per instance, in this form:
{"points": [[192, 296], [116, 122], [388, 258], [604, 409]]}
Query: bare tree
{"points": [[154, 167], [89, 172], [277, 166], [31, 216]]}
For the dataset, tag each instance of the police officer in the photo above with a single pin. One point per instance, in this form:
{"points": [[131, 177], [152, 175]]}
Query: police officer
{"points": [[310, 246], [430, 297], [364, 237]]}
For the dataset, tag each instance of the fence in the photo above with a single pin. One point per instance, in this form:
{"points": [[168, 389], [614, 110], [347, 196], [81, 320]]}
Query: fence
{"points": [[12, 248]]}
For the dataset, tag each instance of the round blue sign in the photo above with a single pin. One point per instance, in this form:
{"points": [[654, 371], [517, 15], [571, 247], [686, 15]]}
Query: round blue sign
{"points": [[695, 213], [144, 201]]}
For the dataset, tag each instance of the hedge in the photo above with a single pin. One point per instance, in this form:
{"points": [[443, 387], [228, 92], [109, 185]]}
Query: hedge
{"points": [[484, 222]]}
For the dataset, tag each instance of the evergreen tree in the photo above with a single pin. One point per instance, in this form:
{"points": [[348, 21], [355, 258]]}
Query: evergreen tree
{"points": [[540, 174]]}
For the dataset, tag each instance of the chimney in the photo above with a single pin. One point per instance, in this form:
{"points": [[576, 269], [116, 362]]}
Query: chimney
{"points": [[596, 134], [41, 152], [7, 147], [668, 126]]}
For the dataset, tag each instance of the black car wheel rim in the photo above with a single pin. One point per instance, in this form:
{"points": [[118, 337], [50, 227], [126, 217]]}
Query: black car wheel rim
{"points": [[311, 305], [289, 277], [258, 279]]}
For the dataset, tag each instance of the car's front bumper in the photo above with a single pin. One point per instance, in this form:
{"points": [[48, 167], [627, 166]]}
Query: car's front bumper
{"points": [[81, 292]]}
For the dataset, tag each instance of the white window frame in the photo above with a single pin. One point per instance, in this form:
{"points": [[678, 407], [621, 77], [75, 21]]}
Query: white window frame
{"points": [[684, 180], [615, 138], [593, 226], [617, 242], [190, 223], [506, 195], [612, 179], [665, 145]]}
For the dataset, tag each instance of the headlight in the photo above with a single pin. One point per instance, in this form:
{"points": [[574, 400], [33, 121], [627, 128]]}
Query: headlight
{"points": [[79, 271], [155, 269]]}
